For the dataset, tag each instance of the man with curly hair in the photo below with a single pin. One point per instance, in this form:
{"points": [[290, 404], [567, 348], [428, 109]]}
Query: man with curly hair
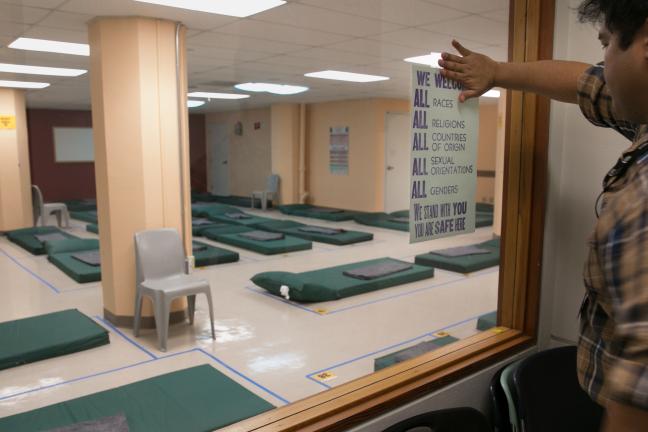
{"points": [[613, 343]]}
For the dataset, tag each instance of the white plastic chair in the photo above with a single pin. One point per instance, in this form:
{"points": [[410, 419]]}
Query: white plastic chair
{"points": [[272, 189], [161, 277], [43, 211]]}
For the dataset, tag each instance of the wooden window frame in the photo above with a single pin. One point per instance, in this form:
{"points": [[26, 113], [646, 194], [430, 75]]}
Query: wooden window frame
{"points": [[531, 26]]}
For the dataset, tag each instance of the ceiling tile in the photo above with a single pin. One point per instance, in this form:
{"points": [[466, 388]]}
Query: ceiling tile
{"points": [[473, 6], [225, 53], [62, 35], [222, 40], [314, 18], [46, 4], [67, 21], [333, 56], [36, 58], [419, 38], [280, 33], [499, 15], [410, 13], [473, 28], [377, 48], [21, 14]]}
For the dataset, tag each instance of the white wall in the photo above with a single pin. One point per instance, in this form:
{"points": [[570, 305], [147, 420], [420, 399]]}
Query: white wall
{"points": [[579, 156]]}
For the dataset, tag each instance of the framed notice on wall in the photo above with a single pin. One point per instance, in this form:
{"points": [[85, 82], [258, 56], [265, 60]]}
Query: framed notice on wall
{"points": [[73, 144], [339, 150]]}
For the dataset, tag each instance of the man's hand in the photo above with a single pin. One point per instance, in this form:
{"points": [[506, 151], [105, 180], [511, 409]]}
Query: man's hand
{"points": [[475, 71]]}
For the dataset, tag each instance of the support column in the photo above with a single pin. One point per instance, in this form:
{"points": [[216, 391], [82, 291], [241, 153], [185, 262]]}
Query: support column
{"points": [[15, 178], [284, 138], [141, 148]]}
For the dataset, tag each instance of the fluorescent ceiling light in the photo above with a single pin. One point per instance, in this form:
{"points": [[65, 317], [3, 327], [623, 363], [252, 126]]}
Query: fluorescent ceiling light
{"points": [[194, 103], [280, 89], [50, 46], [346, 76], [236, 8], [431, 59], [208, 95], [40, 70], [23, 84], [491, 94]]}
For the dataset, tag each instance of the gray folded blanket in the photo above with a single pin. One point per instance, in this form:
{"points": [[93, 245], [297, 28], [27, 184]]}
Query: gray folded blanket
{"points": [[321, 230], [262, 235], [116, 423], [461, 251], [49, 237], [381, 269], [201, 221], [92, 257], [237, 216], [325, 210]]}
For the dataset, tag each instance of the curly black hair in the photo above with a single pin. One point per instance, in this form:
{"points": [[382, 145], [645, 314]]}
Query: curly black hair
{"points": [[622, 17]]}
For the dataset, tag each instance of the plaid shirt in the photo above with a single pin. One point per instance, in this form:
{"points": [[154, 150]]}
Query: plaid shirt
{"points": [[613, 344]]}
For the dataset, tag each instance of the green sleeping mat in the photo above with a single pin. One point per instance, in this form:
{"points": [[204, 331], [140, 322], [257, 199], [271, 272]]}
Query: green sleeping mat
{"points": [[41, 337], [197, 399], [412, 352], [332, 284], [238, 218], [383, 220], [232, 235], [484, 207], [230, 199], [341, 237], [93, 228], [196, 229], [89, 216], [311, 211], [62, 253], [464, 264], [207, 255], [487, 321], [81, 205], [211, 209], [26, 240], [483, 219]]}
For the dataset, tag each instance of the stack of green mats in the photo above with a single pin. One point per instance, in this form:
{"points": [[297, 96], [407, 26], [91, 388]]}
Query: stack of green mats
{"points": [[412, 352], [310, 211], [26, 240], [60, 253], [41, 337], [89, 216], [81, 205], [332, 284], [207, 255], [487, 321], [383, 220], [197, 399], [232, 235], [294, 228], [464, 264]]}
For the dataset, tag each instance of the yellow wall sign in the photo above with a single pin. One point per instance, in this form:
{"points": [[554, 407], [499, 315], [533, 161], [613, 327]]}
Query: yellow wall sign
{"points": [[7, 122]]}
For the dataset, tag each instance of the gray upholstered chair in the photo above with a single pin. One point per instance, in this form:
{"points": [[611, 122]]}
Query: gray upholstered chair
{"points": [[42, 211], [272, 189], [161, 277]]}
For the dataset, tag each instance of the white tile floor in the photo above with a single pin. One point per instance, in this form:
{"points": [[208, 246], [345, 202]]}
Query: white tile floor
{"points": [[270, 346]]}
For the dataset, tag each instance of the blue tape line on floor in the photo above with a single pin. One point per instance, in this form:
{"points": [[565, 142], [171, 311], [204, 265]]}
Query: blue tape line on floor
{"points": [[40, 279], [126, 338]]}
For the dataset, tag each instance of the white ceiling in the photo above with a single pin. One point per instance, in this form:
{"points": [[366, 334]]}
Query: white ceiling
{"points": [[279, 45]]}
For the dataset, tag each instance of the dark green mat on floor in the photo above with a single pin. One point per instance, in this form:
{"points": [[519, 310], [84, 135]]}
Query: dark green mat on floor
{"points": [[207, 255], [45, 336], [196, 230], [89, 216], [412, 352], [296, 229], [332, 284], [61, 254], [197, 399], [26, 240], [384, 220], [483, 219], [211, 209], [232, 235], [81, 205], [239, 201], [311, 211], [93, 228], [487, 321], [245, 220], [464, 264]]}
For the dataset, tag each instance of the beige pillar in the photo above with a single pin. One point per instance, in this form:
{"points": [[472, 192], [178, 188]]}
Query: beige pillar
{"points": [[141, 142], [499, 163], [284, 139], [15, 178]]}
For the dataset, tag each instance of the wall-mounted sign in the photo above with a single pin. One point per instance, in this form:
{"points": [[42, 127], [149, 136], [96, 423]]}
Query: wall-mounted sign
{"points": [[443, 158], [7, 122], [339, 150]]}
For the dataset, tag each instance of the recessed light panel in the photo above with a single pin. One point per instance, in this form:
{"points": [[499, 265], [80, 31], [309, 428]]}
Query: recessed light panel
{"points": [[23, 84], [431, 59], [194, 103], [40, 70], [51, 46], [208, 95], [279, 89], [346, 76], [235, 8]]}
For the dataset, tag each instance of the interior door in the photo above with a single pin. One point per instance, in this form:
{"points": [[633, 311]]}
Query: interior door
{"points": [[218, 141], [397, 160]]}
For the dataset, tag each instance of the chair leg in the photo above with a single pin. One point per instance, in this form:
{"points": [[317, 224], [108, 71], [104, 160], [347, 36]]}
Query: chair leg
{"points": [[66, 218], [59, 216], [191, 306], [211, 313], [161, 310], [137, 316]]}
